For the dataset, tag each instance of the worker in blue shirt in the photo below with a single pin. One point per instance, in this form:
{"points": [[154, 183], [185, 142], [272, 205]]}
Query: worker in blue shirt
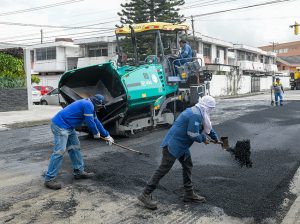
{"points": [[65, 138], [185, 55], [186, 52], [192, 125]]}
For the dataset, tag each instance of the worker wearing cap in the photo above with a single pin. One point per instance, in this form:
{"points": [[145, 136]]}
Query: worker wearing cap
{"points": [[65, 138], [193, 124], [186, 52], [278, 91]]}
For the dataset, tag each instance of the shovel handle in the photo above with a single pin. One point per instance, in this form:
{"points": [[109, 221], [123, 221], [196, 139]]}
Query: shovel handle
{"points": [[129, 149]]}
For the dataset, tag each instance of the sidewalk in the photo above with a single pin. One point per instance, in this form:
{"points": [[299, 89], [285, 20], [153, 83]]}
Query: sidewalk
{"points": [[38, 115], [293, 216]]}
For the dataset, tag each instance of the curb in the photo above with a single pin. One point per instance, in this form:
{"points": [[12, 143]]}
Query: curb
{"points": [[25, 124], [293, 215], [241, 95]]}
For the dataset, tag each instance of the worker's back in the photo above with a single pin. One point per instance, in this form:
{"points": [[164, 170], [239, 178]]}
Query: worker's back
{"points": [[177, 138], [74, 114]]}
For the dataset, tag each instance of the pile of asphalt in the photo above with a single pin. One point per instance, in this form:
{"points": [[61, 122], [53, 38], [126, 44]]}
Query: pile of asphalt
{"points": [[242, 153]]}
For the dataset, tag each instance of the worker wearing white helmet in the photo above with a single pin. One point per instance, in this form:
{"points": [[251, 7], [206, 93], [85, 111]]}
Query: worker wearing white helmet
{"points": [[193, 124]]}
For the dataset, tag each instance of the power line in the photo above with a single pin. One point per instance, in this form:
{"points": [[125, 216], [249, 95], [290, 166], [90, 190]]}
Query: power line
{"points": [[40, 7], [36, 40], [239, 19], [62, 35], [31, 34], [50, 26], [214, 3], [240, 8]]}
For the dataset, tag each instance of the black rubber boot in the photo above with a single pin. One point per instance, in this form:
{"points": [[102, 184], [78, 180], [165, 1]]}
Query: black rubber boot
{"points": [[191, 196], [146, 199], [52, 184], [83, 175]]}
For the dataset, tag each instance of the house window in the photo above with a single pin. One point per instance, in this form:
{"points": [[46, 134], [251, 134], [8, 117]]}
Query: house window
{"points": [[48, 53], [283, 67], [206, 50], [97, 50], [241, 55], [261, 59], [249, 57]]}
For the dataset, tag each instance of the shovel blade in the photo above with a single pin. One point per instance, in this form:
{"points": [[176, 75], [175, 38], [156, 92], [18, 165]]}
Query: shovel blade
{"points": [[225, 143]]}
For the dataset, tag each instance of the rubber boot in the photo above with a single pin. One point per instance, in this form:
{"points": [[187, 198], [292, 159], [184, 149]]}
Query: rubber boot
{"points": [[146, 199], [191, 196], [52, 184], [83, 175]]}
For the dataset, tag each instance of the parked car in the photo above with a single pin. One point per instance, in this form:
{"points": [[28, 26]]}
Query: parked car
{"points": [[36, 96], [44, 89], [53, 98]]}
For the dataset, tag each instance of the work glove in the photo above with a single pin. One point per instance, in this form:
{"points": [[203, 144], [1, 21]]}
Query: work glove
{"points": [[109, 140], [97, 136]]}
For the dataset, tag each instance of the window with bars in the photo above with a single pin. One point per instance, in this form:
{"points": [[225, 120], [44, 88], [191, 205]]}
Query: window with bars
{"points": [[48, 53], [98, 50], [206, 50]]}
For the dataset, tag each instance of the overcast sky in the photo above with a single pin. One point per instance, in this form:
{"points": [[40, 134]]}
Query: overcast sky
{"points": [[255, 27]]}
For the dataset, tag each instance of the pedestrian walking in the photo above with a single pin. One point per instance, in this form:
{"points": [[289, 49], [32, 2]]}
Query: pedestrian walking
{"points": [[65, 138], [193, 124], [278, 91]]}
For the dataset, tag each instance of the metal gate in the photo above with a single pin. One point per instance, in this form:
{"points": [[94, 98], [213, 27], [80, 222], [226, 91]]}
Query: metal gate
{"points": [[255, 84]]}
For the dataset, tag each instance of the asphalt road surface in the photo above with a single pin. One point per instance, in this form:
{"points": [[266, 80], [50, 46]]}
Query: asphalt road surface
{"points": [[234, 195]]}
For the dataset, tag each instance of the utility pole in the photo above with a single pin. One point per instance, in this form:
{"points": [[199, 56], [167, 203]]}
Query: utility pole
{"points": [[41, 36], [194, 37], [192, 19], [273, 46]]}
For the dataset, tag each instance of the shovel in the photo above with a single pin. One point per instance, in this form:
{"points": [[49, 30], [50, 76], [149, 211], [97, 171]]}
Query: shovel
{"points": [[241, 151], [127, 148]]}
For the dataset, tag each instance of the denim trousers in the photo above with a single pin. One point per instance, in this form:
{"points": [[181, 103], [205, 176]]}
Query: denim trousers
{"points": [[64, 140], [167, 162], [278, 95]]}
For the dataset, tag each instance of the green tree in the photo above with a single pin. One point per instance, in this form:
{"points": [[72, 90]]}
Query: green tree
{"points": [[142, 11], [12, 72], [35, 79]]}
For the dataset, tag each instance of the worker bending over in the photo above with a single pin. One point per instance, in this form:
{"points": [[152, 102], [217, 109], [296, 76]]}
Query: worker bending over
{"points": [[193, 124], [278, 91], [65, 137]]}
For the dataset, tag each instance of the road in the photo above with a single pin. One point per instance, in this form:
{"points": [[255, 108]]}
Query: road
{"points": [[260, 194]]}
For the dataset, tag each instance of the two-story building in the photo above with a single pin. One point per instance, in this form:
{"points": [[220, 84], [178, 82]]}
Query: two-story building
{"points": [[50, 60]]}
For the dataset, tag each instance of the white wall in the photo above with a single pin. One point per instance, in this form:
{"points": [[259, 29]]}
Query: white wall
{"points": [[218, 85], [244, 84], [285, 82], [83, 62], [222, 85], [265, 83]]}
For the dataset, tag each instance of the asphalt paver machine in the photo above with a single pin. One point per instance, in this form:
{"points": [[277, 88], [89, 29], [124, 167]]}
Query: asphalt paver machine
{"points": [[146, 86]]}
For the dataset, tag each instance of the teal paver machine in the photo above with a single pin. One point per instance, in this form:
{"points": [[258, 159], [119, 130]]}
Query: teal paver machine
{"points": [[146, 86]]}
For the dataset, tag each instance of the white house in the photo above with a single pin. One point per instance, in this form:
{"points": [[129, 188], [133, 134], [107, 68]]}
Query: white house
{"points": [[51, 60]]}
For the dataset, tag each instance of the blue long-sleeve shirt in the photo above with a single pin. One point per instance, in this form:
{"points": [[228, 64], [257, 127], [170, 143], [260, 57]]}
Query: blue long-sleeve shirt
{"points": [[186, 51], [185, 131], [78, 112]]}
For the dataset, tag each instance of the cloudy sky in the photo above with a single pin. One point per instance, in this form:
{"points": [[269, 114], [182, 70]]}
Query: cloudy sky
{"points": [[255, 26]]}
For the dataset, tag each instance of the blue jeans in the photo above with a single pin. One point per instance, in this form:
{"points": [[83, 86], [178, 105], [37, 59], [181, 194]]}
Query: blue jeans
{"points": [[276, 98], [64, 139]]}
